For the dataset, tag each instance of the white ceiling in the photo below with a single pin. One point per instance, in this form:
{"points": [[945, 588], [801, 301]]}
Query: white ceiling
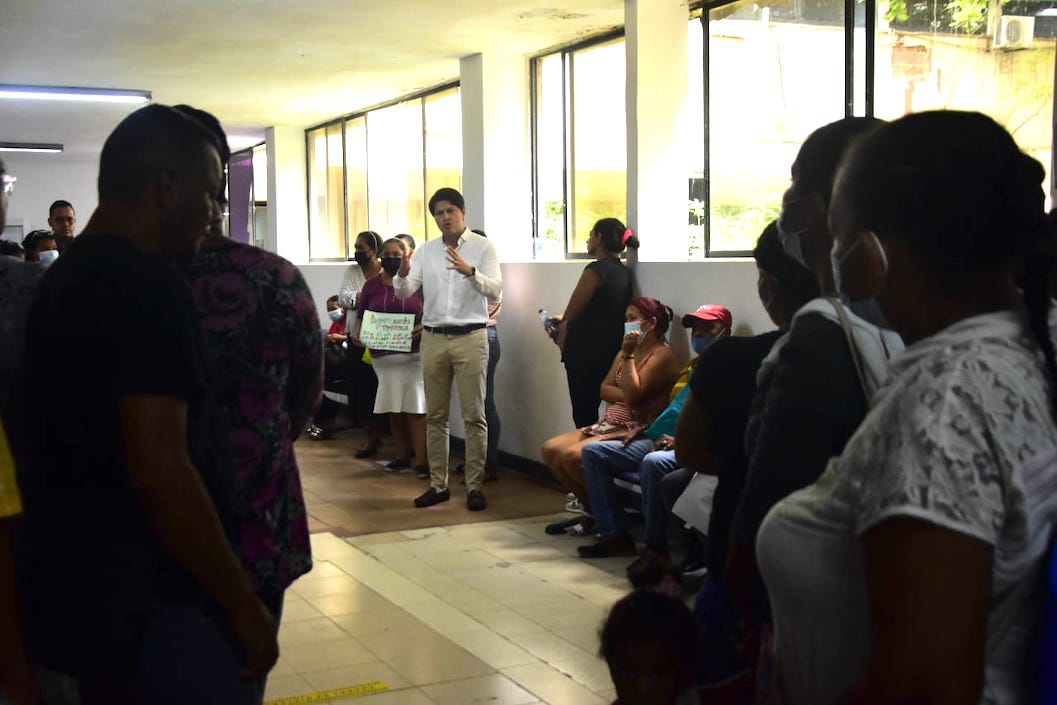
{"points": [[255, 63]]}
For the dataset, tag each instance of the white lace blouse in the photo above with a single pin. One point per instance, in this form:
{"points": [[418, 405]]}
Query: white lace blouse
{"points": [[961, 436]]}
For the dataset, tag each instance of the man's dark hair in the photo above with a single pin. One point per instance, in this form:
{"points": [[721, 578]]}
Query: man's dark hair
{"points": [[451, 196], [34, 238], [210, 122], [408, 240], [645, 616], [332, 299], [152, 139], [10, 248], [58, 204]]}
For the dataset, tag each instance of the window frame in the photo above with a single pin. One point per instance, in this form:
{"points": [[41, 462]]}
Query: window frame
{"points": [[566, 52], [343, 120]]}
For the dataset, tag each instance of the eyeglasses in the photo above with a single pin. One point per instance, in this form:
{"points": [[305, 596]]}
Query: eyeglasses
{"points": [[8, 181]]}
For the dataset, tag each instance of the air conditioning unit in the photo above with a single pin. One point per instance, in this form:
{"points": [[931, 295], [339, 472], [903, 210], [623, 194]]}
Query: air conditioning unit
{"points": [[1014, 32]]}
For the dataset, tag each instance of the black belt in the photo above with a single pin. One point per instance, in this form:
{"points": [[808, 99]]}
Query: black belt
{"points": [[455, 330]]}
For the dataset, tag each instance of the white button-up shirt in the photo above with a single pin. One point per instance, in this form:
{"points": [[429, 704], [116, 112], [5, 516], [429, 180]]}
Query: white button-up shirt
{"points": [[449, 298]]}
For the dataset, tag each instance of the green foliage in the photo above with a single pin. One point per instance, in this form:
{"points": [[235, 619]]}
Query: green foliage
{"points": [[968, 16], [734, 226], [897, 11]]}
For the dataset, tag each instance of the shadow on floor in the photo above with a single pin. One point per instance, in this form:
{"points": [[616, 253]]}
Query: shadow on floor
{"points": [[351, 497]]}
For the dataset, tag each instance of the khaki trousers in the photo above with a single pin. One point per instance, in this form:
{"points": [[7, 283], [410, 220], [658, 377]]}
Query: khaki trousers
{"points": [[464, 360]]}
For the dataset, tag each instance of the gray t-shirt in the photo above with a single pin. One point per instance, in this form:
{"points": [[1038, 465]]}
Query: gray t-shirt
{"points": [[962, 436]]}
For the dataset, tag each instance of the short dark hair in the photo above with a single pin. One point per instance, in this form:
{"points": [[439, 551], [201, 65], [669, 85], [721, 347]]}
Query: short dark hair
{"points": [[793, 277], [408, 240], [58, 204], [652, 617], [333, 298], [822, 151], [210, 122], [447, 194], [152, 138], [10, 248], [34, 238]]}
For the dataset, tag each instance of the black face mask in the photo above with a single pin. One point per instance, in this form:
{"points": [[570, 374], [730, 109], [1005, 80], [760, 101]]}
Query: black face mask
{"points": [[362, 258], [391, 265]]}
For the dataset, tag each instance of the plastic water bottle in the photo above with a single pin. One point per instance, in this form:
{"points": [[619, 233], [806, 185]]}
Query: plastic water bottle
{"points": [[548, 324]]}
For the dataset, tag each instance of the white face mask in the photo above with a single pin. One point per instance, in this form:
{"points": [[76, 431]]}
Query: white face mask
{"points": [[791, 241], [47, 256], [837, 261], [632, 327]]}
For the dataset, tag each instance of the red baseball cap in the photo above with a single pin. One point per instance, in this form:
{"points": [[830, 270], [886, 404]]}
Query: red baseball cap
{"points": [[709, 312]]}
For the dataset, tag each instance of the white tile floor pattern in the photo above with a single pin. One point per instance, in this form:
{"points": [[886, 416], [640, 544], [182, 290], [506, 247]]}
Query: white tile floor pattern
{"points": [[496, 613]]}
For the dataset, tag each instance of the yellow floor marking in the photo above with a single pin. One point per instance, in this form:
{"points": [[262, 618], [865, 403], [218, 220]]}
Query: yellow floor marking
{"points": [[349, 691]]}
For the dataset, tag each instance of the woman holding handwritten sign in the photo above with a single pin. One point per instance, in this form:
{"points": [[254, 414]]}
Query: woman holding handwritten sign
{"points": [[385, 332]]}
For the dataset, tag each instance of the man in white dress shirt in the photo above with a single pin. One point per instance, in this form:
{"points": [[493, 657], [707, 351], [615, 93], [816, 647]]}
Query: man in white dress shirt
{"points": [[457, 274]]}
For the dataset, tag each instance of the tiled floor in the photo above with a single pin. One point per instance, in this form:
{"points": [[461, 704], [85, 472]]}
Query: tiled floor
{"points": [[443, 605], [494, 612], [350, 497]]}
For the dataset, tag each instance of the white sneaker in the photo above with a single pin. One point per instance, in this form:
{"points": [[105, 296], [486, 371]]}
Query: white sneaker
{"points": [[574, 506]]}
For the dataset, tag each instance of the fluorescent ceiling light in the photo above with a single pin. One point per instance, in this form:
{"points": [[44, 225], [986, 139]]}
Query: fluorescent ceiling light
{"points": [[91, 95], [30, 147]]}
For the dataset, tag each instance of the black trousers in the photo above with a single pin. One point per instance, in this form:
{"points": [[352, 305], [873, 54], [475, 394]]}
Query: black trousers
{"points": [[585, 391]]}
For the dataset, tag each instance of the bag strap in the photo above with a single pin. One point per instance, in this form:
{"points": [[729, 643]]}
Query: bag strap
{"points": [[856, 356]]}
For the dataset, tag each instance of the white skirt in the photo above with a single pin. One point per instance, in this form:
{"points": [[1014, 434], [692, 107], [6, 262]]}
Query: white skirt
{"points": [[400, 387]]}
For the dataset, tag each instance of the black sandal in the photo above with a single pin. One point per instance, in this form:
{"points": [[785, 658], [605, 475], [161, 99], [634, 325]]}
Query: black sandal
{"points": [[558, 528]]}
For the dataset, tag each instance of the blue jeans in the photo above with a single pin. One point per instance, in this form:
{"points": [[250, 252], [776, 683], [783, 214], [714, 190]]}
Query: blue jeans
{"points": [[608, 459], [490, 411]]}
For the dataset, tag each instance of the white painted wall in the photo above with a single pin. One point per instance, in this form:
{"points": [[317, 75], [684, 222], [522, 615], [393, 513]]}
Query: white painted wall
{"points": [[45, 178], [287, 231], [531, 388]]}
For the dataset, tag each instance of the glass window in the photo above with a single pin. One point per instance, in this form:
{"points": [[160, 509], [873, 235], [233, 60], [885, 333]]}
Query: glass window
{"points": [[775, 75], [933, 55], [550, 157], [599, 139], [443, 114], [580, 145], [375, 170], [356, 203], [326, 193], [395, 170]]}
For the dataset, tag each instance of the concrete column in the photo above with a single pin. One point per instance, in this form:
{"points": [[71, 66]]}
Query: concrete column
{"points": [[496, 176], [287, 232], [658, 164]]}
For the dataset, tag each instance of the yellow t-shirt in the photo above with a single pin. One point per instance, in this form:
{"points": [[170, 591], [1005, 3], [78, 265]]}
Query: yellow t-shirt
{"points": [[10, 501], [683, 379]]}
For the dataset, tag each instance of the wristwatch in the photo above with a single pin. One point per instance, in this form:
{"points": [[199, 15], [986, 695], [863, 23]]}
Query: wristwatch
{"points": [[473, 272]]}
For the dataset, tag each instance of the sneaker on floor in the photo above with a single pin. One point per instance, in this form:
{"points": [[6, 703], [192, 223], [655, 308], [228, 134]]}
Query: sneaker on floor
{"points": [[432, 496], [574, 506], [475, 500], [398, 465]]}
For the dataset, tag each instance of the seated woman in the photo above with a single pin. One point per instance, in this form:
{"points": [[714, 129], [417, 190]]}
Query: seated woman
{"points": [[636, 388], [400, 387], [335, 371], [910, 571]]}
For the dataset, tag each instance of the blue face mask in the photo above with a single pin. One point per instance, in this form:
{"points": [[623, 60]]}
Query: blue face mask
{"points": [[700, 345], [632, 327], [48, 256], [336, 314]]}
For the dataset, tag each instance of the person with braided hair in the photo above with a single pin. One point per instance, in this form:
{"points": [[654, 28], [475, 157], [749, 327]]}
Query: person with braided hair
{"points": [[907, 573]]}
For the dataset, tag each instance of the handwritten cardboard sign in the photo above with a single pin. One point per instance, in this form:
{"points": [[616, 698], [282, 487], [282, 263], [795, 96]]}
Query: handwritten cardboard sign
{"points": [[387, 331]]}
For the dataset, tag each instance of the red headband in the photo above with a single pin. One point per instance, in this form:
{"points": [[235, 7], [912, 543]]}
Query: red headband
{"points": [[627, 236]]}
